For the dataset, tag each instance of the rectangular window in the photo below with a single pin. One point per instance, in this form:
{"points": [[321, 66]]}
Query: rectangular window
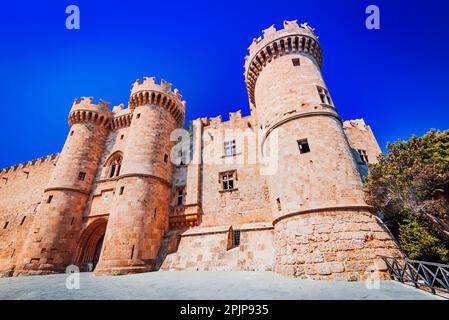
{"points": [[363, 156], [230, 148], [132, 252], [236, 238], [303, 146], [138, 116], [121, 137], [296, 62], [82, 176], [49, 199], [278, 203], [181, 157], [324, 96], [180, 197], [227, 180], [121, 190], [6, 225], [71, 133], [165, 158]]}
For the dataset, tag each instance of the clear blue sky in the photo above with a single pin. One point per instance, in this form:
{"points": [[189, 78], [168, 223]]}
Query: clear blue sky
{"points": [[395, 78]]}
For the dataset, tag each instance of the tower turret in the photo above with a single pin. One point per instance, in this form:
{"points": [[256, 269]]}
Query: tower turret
{"points": [[316, 190], [54, 233], [139, 217]]}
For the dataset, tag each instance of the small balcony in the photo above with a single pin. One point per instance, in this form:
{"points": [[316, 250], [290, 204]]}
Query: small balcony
{"points": [[185, 216]]}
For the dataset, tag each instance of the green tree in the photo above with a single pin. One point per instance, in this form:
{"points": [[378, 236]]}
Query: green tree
{"points": [[410, 185]]}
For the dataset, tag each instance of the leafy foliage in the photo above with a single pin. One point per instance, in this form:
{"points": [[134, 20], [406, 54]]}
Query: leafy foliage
{"points": [[418, 240], [410, 185]]}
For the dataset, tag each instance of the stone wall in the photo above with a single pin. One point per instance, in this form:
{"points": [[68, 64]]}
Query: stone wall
{"points": [[18, 184], [210, 248], [105, 187], [140, 209], [304, 218], [325, 176], [360, 136], [249, 200], [57, 224], [135, 227], [340, 244], [21, 188]]}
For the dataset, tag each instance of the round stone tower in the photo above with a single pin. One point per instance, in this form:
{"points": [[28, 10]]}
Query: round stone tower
{"points": [[323, 227], [57, 222], [139, 217]]}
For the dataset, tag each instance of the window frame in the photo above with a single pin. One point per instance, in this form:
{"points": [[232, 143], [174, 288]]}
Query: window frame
{"points": [[227, 180], [180, 197], [231, 146], [324, 96], [236, 237], [81, 176], [301, 143], [113, 165], [363, 156]]}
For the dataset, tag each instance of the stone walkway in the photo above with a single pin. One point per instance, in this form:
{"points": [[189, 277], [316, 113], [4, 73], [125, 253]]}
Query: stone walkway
{"points": [[200, 285]]}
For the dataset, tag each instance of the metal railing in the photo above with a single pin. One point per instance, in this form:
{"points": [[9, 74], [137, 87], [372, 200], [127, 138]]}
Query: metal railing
{"points": [[434, 276]]}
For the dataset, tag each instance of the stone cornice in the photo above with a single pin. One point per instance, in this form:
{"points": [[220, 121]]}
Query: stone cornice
{"points": [[144, 175], [297, 116], [66, 189], [324, 209]]}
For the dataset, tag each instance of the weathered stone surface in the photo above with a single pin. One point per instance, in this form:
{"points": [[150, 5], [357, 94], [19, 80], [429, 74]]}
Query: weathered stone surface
{"points": [[329, 259]]}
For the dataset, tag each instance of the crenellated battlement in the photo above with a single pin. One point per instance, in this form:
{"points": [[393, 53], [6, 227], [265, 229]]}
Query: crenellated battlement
{"points": [[121, 121], [85, 110], [150, 92], [29, 164], [88, 101], [292, 39], [356, 123], [218, 120], [291, 28]]}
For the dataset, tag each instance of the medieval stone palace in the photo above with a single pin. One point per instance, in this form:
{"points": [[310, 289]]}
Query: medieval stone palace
{"points": [[132, 191]]}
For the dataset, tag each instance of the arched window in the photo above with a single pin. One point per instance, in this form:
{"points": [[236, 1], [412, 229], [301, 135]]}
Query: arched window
{"points": [[113, 165]]}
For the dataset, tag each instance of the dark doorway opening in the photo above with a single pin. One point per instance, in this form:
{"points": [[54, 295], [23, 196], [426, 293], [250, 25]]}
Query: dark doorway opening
{"points": [[90, 245], [97, 252]]}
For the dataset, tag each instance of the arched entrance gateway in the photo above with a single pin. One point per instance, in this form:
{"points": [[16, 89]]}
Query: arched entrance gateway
{"points": [[90, 244]]}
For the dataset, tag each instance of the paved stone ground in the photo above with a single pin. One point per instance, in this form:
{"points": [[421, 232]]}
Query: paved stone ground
{"points": [[200, 285]]}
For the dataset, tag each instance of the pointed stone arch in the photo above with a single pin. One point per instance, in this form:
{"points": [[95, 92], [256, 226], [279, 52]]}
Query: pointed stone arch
{"points": [[113, 165], [90, 245]]}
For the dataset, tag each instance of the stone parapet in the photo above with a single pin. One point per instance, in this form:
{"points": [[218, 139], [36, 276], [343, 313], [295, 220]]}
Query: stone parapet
{"points": [[149, 92], [84, 110], [276, 43]]}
